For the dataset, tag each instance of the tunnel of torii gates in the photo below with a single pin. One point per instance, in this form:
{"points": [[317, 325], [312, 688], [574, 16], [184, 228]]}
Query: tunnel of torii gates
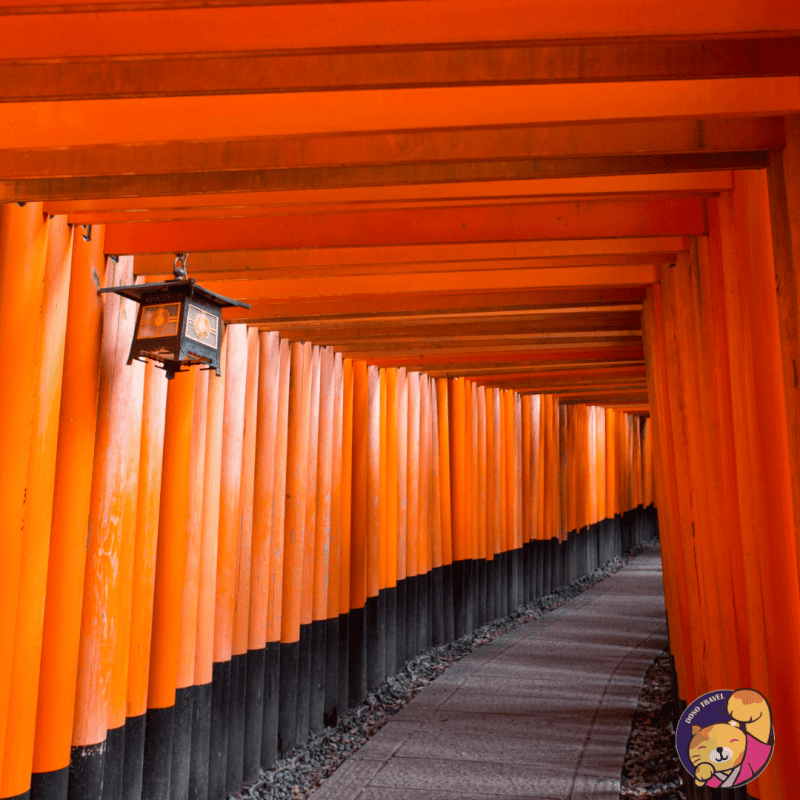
{"points": [[520, 272]]}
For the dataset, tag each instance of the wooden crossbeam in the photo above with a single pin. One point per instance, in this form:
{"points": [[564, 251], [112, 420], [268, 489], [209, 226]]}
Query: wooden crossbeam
{"points": [[111, 209], [171, 74], [593, 219], [151, 28], [184, 182], [250, 119], [251, 262]]}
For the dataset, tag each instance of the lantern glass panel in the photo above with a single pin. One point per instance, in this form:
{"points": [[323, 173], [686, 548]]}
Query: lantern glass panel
{"points": [[202, 326], [159, 321]]}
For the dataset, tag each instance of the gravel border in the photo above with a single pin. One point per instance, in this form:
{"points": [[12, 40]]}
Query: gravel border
{"points": [[306, 767], [652, 769]]}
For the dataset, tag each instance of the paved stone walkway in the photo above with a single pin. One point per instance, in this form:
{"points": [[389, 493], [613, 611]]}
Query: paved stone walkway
{"points": [[542, 712]]}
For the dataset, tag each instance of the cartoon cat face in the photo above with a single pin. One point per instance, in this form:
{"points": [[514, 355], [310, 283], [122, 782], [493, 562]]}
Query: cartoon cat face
{"points": [[721, 745]]}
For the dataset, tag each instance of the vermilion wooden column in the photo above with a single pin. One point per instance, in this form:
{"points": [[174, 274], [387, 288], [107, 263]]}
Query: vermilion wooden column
{"points": [[227, 553], [185, 688], [358, 534], [784, 193], [27, 643], [401, 651], [99, 706], [375, 626], [773, 481], [294, 528], [144, 571], [413, 514], [241, 612], [23, 243], [458, 489], [672, 546], [336, 589], [485, 555], [390, 533], [306, 578], [273, 648], [322, 540], [265, 456], [169, 580], [206, 591], [346, 536]]}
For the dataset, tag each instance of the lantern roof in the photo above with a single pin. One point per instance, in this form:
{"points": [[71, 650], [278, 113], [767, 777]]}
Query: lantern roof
{"points": [[139, 292]]}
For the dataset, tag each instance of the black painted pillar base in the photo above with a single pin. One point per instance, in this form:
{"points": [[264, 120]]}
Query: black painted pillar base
{"points": [[459, 610], [287, 697], [400, 644], [316, 709], [133, 761], [331, 702], [358, 657], [158, 753], [236, 714], [50, 785], [376, 642], [303, 683], [271, 712], [344, 663], [218, 741], [201, 741], [253, 715], [390, 653], [182, 744]]}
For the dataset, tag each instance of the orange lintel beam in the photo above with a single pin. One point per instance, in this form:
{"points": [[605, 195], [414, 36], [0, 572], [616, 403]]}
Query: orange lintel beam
{"points": [[541, 355], [289, 179], [629, 275], [80, 210], [302, 258], [368, 322], [83, 153], [478, 373], [637, 399], [553, 385], [423, 269], [268, 312], [246, 117], [179, 74], [595, 219], [165, 29], [470, 350], [426, 327]]}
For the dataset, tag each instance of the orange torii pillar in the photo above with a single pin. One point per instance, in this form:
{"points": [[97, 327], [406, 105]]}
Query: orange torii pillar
{"points": [[336, 588], [345, 566], [294, 539], [228, 545], [207, 585], [401, 652], [304, 581], [241, 618], [358, 536], [273, 646], [190, 620], [74, 457], [15, 778], [168, 590], [323, 543], [144, 572], [265, 457], [98, 735]]}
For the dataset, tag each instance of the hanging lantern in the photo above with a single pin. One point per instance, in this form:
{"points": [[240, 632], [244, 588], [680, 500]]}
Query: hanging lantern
{"points": [[179, 322]]}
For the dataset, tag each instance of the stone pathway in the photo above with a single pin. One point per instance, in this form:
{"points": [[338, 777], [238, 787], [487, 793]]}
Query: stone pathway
{"points": [[542, 712]]}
